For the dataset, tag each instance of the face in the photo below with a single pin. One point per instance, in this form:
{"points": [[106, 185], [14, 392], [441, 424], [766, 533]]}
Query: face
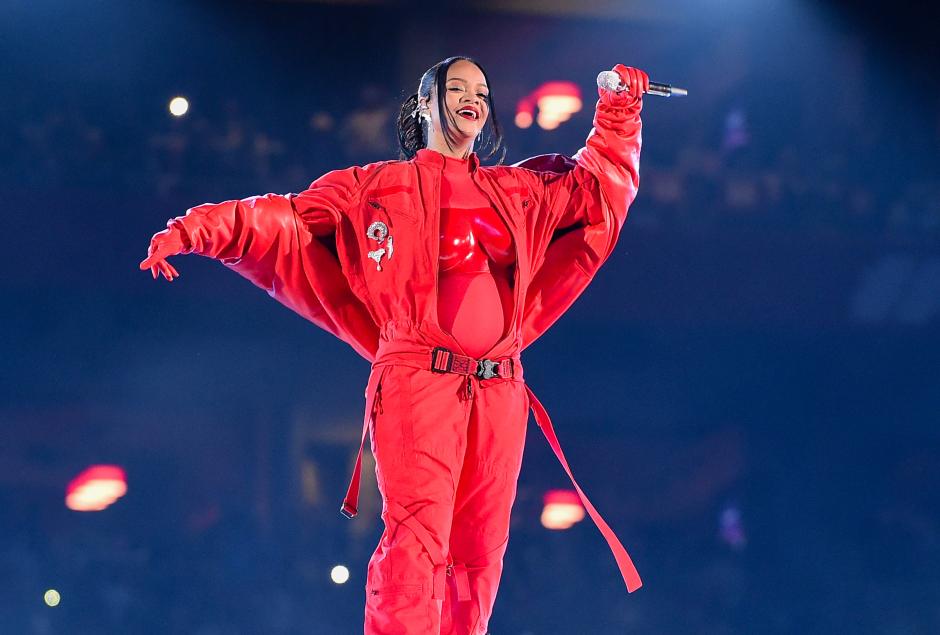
{"points": [[465, 100]]}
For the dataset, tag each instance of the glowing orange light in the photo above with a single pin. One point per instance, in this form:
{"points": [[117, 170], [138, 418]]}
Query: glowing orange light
{"points": [[556, 102], [547, 122], [562, 509], [524, 112], [96, 488]]}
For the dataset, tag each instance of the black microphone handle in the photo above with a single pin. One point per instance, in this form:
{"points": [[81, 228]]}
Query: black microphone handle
{"points": [[665, 90], [611, 81]]}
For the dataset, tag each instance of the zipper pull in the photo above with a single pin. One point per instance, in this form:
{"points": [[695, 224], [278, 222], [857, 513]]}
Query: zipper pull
{"points": [[469, 387]]}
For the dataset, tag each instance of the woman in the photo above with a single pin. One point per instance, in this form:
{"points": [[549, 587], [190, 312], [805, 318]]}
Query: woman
{"points": [[439, 271]]}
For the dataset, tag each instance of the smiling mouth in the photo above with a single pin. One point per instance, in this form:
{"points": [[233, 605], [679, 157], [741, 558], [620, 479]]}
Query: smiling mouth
{"points": [[468, 114]]}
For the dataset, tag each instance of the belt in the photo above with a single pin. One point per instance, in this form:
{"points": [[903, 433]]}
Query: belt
{"points": [[441, 360]]}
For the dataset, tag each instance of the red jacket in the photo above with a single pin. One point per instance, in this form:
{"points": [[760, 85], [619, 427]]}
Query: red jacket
{"points": [[311, 251]]}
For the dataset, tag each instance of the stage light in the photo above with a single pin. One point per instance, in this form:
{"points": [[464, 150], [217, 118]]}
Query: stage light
{"points": [[524, 111], [179, 106], [556, 102], [96, 488], [339, 574], [562, 509], [547, 122], [52, 597]]}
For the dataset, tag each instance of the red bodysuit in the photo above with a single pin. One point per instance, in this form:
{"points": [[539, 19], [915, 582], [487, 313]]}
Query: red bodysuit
{"points": [[476, 260]]}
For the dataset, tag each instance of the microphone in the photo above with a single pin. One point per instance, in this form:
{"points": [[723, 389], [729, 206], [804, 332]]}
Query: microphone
{"points": [[611, 81]]}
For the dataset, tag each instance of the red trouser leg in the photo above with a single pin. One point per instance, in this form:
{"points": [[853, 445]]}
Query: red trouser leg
{"points": [[480, 530], [446, 465], [418, 441]]}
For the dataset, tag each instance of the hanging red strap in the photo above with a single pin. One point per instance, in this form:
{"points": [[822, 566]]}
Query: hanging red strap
{"points": [[624, 563], [350, 506]]}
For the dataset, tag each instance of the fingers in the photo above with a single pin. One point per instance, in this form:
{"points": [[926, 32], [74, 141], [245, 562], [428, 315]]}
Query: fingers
{"points": [[624, 73], [159, 266], [636, 81], [637, 87], [167, 270]]}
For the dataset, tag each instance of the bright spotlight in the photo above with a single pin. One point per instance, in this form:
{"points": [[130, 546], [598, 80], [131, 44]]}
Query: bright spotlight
{"points": [[523, 119], [546, 121], [179, 106], [339, 574], [52, 597], [96, 488], [562, 509]]}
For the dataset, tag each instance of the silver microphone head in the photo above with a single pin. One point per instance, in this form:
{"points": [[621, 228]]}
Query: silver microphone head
{"points": [[609, 80]]}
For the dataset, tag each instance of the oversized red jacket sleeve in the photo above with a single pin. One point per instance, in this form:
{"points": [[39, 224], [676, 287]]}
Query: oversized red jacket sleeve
{"points": [[581, 206], [283, 244]]}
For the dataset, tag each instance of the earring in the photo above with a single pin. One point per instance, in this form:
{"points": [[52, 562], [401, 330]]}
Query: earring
{"points": [[421, 113]]}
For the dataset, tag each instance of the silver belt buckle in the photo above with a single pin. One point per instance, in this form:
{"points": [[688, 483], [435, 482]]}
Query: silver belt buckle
{"points": [[486, 369]]}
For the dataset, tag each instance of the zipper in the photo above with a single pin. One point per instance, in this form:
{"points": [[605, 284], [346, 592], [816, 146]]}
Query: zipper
{"points": [[469, 387]]}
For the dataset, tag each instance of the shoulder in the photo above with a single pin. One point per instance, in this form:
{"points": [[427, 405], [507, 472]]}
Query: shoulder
{"points": [[352, 176], [505, 174]]}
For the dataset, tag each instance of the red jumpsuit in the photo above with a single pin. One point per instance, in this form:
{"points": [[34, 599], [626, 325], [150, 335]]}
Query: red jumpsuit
{"points": [[359, 253]]}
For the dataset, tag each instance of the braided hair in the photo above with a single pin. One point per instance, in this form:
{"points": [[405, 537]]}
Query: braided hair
{"points": [[412, 130]]}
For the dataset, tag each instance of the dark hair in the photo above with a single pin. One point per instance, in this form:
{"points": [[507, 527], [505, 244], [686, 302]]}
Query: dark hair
{"points": [[412, 134]]}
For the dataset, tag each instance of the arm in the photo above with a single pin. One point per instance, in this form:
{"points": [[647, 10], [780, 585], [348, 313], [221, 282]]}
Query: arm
{"points": [[246, 232], [597, 186], [582, 204], [284, 244]]}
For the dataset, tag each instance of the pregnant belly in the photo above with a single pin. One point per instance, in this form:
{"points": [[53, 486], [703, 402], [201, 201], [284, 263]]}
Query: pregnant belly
{"points": [[473, 307]]}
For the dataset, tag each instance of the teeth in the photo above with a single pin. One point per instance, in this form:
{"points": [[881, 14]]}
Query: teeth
{"points": [[468, 111]]}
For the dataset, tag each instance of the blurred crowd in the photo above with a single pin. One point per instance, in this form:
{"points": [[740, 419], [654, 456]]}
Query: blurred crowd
{"points": [[736, 176], [738, 542], [727, 534]]}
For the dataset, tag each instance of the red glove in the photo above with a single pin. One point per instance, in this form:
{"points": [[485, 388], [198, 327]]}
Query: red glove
{"points": [[164, 244], [636, 81]]}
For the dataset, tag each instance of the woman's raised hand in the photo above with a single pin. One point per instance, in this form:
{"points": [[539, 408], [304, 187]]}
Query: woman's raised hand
{"points": [[636, 81], [163, 245]]}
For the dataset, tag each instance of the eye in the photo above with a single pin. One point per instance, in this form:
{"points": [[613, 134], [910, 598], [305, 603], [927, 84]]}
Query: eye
{"points": [[455, 88], [483, 95]]}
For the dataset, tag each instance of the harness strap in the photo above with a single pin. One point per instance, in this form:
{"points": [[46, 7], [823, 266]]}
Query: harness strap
{"points": [[624, 563], [442, 566]]}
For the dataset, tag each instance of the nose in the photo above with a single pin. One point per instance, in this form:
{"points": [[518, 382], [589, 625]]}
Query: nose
{"points": [[474, 101]]}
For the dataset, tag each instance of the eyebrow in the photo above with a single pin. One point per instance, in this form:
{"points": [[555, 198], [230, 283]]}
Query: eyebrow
{"points": [[461, 79]]}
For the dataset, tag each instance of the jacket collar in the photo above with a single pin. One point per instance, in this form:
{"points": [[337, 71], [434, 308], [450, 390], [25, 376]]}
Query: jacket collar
{"points": [[436, 159]]}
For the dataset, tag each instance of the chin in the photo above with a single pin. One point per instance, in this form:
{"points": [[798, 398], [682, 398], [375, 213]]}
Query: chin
{"points": [[468, 134]]}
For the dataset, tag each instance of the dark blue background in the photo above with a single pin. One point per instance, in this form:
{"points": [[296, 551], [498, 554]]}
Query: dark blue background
{"points": [[748, 391]]}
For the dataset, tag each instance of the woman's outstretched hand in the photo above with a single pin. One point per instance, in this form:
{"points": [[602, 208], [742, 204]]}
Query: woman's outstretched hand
{"points": [[636, 81], [163, 245]]}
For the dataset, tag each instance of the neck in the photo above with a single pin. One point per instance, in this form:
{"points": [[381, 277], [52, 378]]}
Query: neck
{"points": [[459, 151]]}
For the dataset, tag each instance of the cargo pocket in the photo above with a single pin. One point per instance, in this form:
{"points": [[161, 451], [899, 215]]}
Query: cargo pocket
{"points": [[374, 407]]}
